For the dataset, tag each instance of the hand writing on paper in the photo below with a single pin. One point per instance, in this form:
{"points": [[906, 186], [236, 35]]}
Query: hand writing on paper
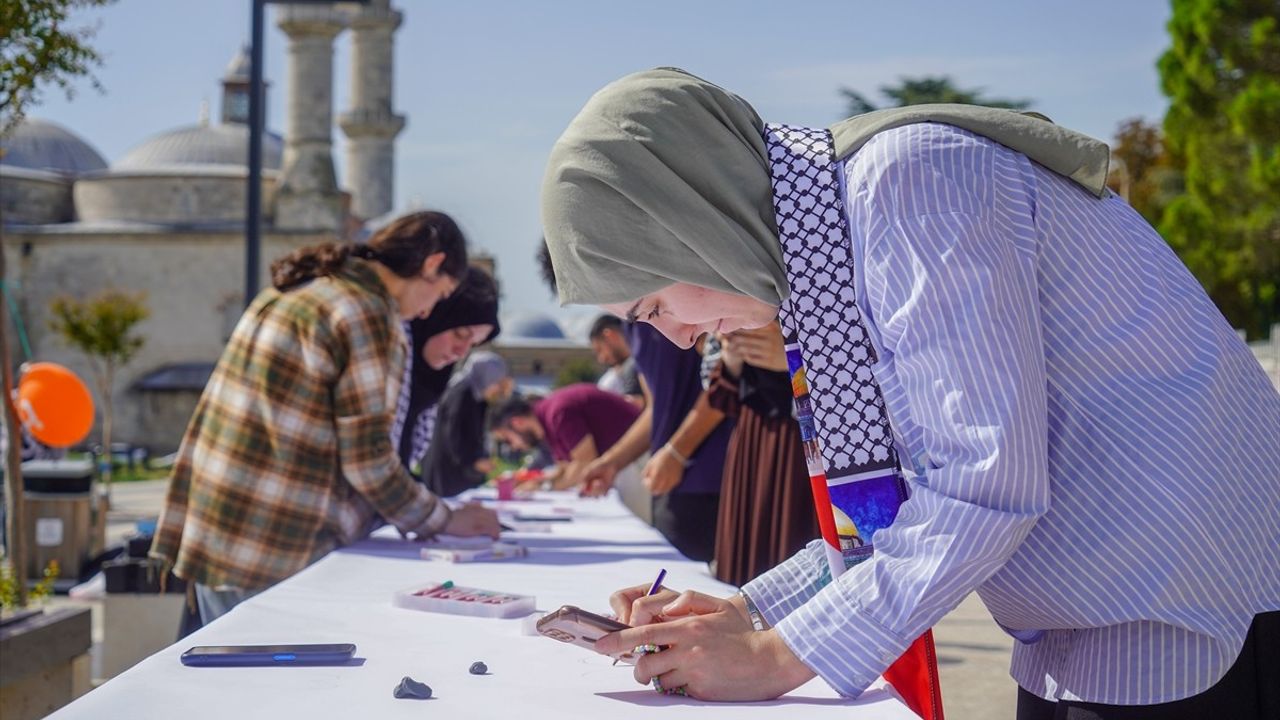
{"points": [[634, 606], [711, 651], [473, 519]]}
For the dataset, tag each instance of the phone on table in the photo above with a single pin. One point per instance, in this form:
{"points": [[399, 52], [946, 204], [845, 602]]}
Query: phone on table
{"points": [[239, 655], [576, 626]]}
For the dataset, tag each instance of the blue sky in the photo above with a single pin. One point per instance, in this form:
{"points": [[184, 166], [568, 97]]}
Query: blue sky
{"points": [[488, 86]]}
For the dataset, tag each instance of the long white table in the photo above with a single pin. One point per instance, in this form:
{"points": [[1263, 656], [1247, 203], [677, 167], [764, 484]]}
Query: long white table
{"points": [[346, 598]]}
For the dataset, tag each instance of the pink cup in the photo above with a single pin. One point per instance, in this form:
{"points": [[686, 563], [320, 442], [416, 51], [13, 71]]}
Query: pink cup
{"points": [[506, 486]]}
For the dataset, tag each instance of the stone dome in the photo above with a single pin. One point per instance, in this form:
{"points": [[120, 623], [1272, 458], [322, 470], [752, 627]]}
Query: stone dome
{"points": [[226, 144], [533, 326], [45, 146]]}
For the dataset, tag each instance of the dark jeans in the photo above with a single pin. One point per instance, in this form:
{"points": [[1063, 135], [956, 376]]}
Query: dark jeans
{"points": [[688, 521], [1249, 691]]}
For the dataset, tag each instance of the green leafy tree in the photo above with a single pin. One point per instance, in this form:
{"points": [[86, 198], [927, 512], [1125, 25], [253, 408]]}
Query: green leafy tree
{"points": [[38, 46], [923, 91], [102, 328], [576, 371], [1222, 130]]}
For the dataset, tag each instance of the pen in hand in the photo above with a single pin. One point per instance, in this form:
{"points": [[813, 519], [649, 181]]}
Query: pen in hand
{"points": [[654, 588]]}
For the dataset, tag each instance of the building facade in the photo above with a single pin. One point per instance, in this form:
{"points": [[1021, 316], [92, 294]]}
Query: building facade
{"points": [[167, 218]]}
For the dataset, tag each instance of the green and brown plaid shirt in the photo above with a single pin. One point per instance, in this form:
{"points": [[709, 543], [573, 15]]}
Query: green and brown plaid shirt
{"points": [[288, 453]]}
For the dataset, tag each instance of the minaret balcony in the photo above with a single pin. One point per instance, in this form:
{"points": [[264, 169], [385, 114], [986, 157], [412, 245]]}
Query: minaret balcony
{"points": [[371, 123]]}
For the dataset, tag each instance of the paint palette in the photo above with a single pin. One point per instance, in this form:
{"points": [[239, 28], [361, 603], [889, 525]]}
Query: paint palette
{"points": [[453, 599], [469, 552]]}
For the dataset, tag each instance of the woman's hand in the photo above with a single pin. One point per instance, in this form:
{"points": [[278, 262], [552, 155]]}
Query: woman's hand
{"points": [[762, 347], [634, 606], [711, 651], [730, 355]]}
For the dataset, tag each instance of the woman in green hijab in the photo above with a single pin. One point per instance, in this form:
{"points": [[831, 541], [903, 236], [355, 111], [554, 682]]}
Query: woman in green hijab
{"points": [[657, 206], [982, 320]]}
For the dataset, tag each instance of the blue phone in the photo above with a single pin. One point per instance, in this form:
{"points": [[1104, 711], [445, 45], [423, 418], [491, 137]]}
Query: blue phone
{"points": [[240, 655]]}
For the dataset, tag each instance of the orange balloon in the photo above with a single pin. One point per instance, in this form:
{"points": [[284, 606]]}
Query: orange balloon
{"points": [[54, 404]]}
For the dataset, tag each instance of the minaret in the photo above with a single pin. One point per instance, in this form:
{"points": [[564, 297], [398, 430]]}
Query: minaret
{"points": [[371, 125], [308, 197], [235, 89]]}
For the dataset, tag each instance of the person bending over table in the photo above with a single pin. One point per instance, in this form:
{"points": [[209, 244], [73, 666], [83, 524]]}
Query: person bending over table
{"points": [[686, 439], [459, 457], [576, 423], [1087, 442], [288, 454], [458, 323]]}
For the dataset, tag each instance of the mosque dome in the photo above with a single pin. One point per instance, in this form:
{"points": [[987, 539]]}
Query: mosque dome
{"points": [[39, 161], [192, 176], [46, 146], [226, 145], [533, 326]]}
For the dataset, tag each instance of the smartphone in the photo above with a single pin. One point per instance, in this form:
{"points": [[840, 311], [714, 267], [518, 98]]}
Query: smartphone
{"points": [[578, 627], [238, 655]]}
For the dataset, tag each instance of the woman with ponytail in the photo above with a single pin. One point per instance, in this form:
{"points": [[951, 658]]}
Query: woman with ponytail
{"points": [[288, 453]]}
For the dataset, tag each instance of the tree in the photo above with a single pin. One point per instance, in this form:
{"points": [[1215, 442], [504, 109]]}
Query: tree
{"points": [[101, 328], [1141, 171], [576, 371], [15, 533], [925, 90], [37, 47], [1222, 130]]}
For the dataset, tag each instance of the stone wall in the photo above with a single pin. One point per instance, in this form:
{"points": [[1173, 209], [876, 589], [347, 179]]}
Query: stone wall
{"points": [[540, 361], [32, 197], [193, 283], [164, 198]]}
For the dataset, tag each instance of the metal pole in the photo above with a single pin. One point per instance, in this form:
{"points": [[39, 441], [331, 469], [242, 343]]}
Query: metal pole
{"points": [[253, 204]]}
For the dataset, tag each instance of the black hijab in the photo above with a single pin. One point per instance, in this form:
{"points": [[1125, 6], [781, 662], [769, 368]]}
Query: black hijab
{"points": [[475, 302]]}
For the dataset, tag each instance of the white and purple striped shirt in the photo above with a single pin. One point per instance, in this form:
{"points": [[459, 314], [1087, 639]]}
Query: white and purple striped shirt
{"points": [[1088, 443]]}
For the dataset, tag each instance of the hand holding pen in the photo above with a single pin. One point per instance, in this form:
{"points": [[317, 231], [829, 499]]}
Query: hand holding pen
{"points": [[653, 590]]}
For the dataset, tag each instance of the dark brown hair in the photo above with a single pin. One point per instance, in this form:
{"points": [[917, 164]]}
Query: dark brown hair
{"points": [[401, 247]]}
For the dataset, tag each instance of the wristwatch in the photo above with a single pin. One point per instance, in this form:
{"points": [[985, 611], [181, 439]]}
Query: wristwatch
{"points": [[753, 612]]}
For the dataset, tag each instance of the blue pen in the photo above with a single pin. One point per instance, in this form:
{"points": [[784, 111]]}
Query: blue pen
{"points": [[654, 588], [657, 582]]}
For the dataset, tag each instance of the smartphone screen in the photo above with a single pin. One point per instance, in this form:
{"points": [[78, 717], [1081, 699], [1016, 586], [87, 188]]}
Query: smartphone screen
{"points": [[232, 655]]}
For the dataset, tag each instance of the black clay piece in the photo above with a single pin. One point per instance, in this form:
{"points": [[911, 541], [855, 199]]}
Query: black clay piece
{"points": [[412, 689], [478, 668]]}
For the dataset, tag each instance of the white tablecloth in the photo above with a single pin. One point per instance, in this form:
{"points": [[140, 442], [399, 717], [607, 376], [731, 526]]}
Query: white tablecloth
{"points": [[346, 598]]}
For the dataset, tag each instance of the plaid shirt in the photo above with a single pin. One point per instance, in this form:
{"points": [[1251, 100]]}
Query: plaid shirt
{"points": [[288, 453]]}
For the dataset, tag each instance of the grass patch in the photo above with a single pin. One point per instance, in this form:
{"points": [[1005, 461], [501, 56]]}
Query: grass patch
{"points": [[121, 472]]}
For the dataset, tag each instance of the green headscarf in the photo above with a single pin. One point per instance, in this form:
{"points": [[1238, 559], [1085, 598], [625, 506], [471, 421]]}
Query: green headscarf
{"points": [[662, 178]]}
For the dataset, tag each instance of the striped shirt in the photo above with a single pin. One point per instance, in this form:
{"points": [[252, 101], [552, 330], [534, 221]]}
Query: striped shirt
{"points": [[288, 453], [1088, 443]]}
